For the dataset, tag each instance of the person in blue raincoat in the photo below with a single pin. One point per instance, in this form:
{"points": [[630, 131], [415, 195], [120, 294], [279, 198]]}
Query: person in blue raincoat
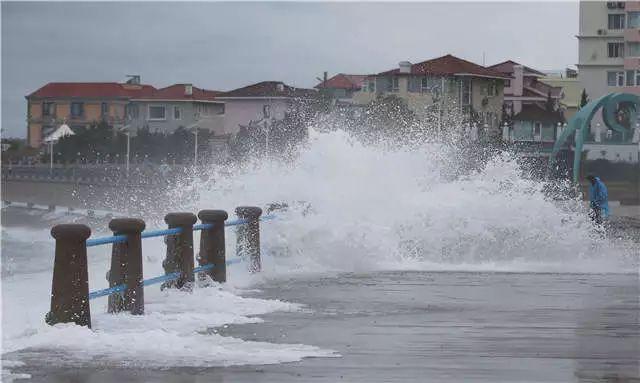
{"points": [[598, 199]]}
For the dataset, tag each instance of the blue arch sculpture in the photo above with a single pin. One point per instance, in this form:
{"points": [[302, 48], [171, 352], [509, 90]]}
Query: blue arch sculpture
{"points": [[581, 122]]}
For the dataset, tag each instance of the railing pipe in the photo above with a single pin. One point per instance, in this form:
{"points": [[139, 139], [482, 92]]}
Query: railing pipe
{"points": [[70, 286], [212, 244], [180, 249], [248, 236], [126, 266]]}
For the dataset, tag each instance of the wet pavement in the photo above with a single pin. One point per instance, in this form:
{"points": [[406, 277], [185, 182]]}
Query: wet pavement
{"points": [[430, 326]]}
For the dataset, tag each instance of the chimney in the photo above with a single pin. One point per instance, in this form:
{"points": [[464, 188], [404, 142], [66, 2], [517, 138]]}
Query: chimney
{"points": [[518, 80], [188, 89], [405, 67]]}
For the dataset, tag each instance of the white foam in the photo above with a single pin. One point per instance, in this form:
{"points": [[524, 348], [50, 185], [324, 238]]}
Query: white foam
{"points": [[368, 208]]}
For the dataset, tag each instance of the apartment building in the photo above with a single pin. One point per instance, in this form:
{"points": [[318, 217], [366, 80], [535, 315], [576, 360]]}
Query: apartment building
{"points": [[476, 91], [609, 47]]}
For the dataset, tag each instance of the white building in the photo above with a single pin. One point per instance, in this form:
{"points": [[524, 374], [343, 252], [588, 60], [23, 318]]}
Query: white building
{"points": [[609, 47]]}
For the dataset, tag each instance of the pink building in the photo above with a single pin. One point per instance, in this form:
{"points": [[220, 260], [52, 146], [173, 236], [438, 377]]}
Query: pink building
{"points": [[261, 103], [524, 88]]}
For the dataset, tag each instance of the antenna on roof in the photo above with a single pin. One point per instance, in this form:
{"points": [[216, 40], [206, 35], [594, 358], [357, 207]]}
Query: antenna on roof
{"points": [[134, 79]]}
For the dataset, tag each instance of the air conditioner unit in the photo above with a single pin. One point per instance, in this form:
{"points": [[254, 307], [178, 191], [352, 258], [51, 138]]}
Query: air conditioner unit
{"points": [[612, 5], [602, 32]]}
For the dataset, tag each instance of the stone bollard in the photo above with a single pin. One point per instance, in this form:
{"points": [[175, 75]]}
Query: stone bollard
{"points": [[179, 249], [248, 236], [70, 286], [126, 266], [212, 244]]}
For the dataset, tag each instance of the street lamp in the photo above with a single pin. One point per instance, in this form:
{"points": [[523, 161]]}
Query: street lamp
{"points": [[127, 131], [194, 129]]}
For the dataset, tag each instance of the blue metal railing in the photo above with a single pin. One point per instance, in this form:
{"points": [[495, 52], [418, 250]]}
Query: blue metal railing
{"points": [[162, 233], [150, 281]]}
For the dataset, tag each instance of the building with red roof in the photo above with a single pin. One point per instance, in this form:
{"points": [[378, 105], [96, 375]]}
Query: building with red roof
{"points": [[532, 105], [342, 86], [81, 104], [524, 87], [445, 83]]}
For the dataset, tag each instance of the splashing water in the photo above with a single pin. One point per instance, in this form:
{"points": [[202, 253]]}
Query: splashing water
{"points": [[357, 207]]}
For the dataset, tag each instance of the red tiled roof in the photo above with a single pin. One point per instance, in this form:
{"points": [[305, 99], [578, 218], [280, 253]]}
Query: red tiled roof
{"points": [[269, 89], [92, 90], [506, 67], [177, 92], [449, 65], [343, 81]]}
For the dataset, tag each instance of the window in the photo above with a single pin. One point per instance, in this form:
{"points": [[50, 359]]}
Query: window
{"points": [[48, 109], [466, 92], [395, 84], [177, 113], [633, 77], [424, 84], [633, 50], [131, 111], [77, 109], [615, 78], [492, 89], [537, 131], [615, 49], [633, 20], [157, 112], [507, 83], [372, 85], [104, 109], [616, 21], [266, 111]]}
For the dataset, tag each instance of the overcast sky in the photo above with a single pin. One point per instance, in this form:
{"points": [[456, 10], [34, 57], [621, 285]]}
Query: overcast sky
{"points": [[223, 46]]}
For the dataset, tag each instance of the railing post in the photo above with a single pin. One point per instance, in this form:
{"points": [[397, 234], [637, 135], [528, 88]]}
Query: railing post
{"points": [[70, 286], [212, 244], [126, 266], [180, 248], [248, 236]]}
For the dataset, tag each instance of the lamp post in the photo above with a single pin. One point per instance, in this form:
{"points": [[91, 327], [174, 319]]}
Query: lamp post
{"points": [[51, 157], [194, 129], [126, 130]]}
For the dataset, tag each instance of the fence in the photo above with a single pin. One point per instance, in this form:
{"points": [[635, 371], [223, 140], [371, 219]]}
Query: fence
{"points": [[70, 293]]}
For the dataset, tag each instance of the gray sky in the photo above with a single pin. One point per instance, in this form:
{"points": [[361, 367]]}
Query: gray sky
{"points": [[223, 46]]}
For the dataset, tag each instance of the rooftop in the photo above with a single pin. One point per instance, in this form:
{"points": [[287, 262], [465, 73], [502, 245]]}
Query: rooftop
{"points": [[533, 112], [449, 65], [268, 89], [343, 81], [104, 90]]}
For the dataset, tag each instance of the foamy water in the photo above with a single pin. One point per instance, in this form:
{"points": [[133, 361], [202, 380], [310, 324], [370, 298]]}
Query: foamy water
{"points": [[351, 208]]}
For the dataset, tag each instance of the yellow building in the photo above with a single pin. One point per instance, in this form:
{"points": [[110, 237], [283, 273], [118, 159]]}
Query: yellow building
{"points": [[476, 90], [79, 105], [571, 93]]}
